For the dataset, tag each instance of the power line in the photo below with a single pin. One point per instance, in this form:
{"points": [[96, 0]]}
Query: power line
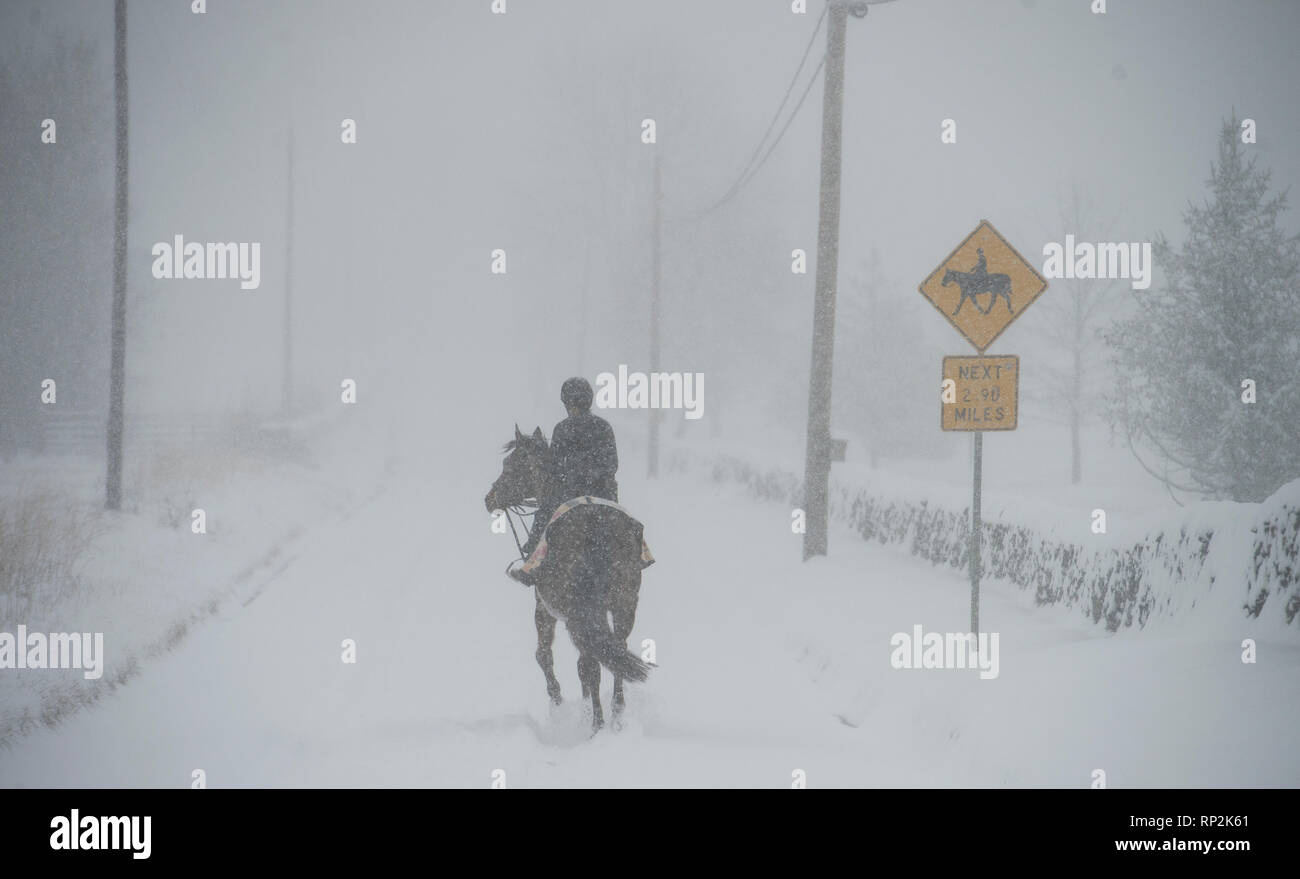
{"points": [[786, 127], [746, 174], [786, 97], [743, 182]]}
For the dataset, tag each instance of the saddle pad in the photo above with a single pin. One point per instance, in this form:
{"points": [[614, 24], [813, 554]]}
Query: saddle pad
{"points": [[539, 554]]}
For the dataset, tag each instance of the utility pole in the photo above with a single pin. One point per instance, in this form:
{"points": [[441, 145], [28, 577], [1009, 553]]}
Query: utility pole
{"points": [[584, 301], [582, 310], [817, 466], [117, 362], [286, 347], [286, 378], [655, 306]]}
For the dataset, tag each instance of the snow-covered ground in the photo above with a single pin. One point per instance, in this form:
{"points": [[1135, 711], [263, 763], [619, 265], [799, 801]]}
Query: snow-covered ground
{"points": [[142, 577], [767, 666]]}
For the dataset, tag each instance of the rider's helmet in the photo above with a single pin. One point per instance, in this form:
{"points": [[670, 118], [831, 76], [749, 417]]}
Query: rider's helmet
{"points": [[576, 392]]}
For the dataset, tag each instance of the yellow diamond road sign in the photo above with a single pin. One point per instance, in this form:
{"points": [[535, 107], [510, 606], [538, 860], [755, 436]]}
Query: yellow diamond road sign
{"points": [[983, 286]]}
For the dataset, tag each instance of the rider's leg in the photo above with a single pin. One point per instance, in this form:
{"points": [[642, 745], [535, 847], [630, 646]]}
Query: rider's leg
{"points": [[540, 518]]}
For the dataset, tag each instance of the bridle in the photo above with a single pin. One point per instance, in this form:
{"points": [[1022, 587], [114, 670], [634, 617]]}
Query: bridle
{"points": [[524, 510]]}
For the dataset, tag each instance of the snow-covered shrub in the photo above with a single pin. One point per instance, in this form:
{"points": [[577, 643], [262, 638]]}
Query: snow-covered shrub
{"points": [[44, 540], [1240, 556]]}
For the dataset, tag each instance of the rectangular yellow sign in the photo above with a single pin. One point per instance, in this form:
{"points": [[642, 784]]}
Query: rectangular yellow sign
{"points": [[983, 394]]}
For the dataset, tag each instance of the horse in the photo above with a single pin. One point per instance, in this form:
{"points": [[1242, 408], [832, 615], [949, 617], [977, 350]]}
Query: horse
{"points": [[973, 284], [591, 576]]}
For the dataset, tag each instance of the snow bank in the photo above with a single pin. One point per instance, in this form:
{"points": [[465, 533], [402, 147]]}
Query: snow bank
{"points": [[1221, 560], [144, 579]]}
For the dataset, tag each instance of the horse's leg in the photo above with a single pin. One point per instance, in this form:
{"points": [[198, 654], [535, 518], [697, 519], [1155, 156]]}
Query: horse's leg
{"points": [[545, 638], [589, 594], [622, 609], [589, 674], [616, 700]]}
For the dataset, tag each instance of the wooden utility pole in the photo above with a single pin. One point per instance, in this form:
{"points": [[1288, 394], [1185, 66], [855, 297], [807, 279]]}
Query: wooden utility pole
{"points": [[117, 362], [656, 295], [286, 378], [583, 306], [817, 466]]}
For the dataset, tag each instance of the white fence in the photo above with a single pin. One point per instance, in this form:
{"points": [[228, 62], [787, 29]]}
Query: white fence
{"points": [[64, 431]]}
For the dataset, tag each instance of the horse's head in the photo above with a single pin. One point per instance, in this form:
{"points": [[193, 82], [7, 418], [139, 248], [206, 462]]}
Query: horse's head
{"points": [[523, 472], [948, 277]]}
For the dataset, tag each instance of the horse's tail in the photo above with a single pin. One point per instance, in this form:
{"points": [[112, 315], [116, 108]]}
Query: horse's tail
{"points": [[592, 637]]}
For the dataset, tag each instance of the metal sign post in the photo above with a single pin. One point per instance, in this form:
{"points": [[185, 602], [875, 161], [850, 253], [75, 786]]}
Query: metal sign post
{"points": [[975, 537], [981, 393]]}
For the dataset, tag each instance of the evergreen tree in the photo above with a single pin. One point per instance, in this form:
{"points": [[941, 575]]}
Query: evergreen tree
{"points": [[1229, 311]]}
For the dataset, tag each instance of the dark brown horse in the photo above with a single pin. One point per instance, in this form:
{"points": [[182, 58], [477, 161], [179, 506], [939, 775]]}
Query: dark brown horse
{"points": [[591, 575]]}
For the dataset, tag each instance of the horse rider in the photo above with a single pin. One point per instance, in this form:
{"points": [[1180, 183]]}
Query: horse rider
{"points": [[982, 266], [584, 459]]}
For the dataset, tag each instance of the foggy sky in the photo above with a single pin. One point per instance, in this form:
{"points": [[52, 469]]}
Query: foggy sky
{"points": [[478, 131]]}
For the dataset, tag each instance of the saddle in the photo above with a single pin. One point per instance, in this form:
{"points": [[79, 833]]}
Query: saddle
{"points": [[539, 554]]}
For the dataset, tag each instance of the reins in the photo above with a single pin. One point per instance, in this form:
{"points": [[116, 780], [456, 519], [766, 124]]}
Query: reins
{"points": [[522, 510]]}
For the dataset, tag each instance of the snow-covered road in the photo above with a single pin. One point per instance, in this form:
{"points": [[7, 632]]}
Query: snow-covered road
{"points": [[766, 666]]}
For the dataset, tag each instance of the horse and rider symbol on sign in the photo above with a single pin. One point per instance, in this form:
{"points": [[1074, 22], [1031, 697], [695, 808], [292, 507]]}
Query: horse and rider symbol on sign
{"points": [[977, 281]]}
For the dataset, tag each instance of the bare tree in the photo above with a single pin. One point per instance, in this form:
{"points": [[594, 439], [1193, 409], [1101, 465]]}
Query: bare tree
{"points": [[1071, 317]]}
